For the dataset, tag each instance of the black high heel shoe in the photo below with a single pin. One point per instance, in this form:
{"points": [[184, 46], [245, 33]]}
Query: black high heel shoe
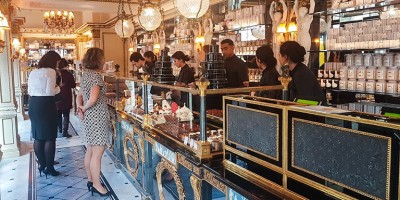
{"points": [[41, 169], [52, 172], [94, 190], [90, 185]]}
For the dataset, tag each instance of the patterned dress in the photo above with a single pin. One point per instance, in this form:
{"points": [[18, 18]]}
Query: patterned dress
{"points": [[96, 123]]}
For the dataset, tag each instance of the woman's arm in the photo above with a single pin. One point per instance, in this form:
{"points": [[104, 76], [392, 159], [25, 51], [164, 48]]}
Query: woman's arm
{"points": [[51, 86], [94, 96]]}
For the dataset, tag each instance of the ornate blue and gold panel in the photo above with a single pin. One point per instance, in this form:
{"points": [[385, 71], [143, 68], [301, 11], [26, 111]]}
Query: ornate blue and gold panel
{"points": [[253, 129], [353, 159]]}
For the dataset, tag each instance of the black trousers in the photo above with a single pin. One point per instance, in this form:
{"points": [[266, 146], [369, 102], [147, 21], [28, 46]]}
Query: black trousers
{"points": [[63, 125]]}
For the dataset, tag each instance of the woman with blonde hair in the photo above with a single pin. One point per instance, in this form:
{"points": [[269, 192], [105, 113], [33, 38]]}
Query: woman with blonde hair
{"points": [[92, 109]]}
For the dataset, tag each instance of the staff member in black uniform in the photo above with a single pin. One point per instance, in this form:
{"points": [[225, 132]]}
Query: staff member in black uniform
{"points": [[266, 62], [236, 70], [304, 84], [42, 88], [186, 75], [141, 63]]}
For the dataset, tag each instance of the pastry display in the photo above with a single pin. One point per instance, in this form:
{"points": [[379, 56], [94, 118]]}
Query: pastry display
{"points": [[215, 70], [162, 72], [215, 113], [184, 114]]}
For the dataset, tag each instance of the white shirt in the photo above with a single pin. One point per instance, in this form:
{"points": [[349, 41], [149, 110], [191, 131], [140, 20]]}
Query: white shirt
{"points": [[42, 82]]}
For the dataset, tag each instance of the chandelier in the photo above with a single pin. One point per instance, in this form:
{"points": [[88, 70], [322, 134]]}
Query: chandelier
{"points": [[150, 17], [192, 9], [124, 27], [59, 22]]}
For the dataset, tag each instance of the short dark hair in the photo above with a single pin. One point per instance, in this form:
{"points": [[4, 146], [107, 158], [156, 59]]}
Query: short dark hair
{"points": [[93, 58], [136, 56], [293, 50], [150, 54], [229, 41], [180, 56], [62, 63], [49, 60], [266, 56]]}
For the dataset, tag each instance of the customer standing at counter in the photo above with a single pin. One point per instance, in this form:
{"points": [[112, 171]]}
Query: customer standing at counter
{"points": [[42, 88], [266, 62], [304, 84], [236, 70], [93, 111]]}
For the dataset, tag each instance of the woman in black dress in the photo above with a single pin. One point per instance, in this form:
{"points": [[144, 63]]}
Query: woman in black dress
{"points": [[304, 84], [42, 88], [266, 62], [186, 75]]}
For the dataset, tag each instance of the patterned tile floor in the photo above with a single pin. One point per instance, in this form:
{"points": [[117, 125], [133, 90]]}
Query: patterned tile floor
{"points": [[20, 180]]}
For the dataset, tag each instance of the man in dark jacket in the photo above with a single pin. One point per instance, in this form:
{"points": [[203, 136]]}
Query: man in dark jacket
{"points": [[66, 82]]}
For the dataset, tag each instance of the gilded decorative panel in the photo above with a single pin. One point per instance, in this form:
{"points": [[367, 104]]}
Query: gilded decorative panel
{"points": [[254, 129], [353, 159]]}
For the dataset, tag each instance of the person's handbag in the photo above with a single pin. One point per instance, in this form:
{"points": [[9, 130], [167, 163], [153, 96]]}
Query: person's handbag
{"points": [[58, 98]]}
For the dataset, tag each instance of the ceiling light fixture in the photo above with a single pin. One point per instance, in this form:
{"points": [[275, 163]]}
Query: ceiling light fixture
{"points": [[192, 9], [125, 25], [59, 22], [150, 16]]}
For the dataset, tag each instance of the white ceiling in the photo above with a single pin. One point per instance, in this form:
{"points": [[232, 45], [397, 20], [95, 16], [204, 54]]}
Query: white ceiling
{"points": [[73, 5]]}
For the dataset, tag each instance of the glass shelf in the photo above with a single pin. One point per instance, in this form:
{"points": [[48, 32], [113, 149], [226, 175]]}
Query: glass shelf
{"points": [[240, 29], [375, 93], [372, 6]]}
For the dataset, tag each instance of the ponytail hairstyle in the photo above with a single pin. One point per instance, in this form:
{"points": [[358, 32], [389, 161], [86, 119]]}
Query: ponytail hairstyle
{"points": [[180, 56], [293, 50], [266, 56], [93, 58], [151, 55]]}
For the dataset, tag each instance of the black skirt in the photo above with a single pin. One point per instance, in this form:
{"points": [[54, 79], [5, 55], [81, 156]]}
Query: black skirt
{"points": [[43, 116]]}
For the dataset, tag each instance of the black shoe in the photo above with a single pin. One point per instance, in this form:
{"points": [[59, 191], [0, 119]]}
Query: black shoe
{"points": [[94, 190], [41, 169], [90, 185], [52, 172], [66, 135]]}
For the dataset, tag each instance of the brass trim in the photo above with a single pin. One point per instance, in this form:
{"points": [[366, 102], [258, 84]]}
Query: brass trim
{"points": [[211, 179], [347, 118], [351, 131], [182, 160], [320, 187], [141, 146], [262, 112], [128, 154], [196, 185], [254, 159], [284, 104], [285, 145], [166, 165], [261, 181]]}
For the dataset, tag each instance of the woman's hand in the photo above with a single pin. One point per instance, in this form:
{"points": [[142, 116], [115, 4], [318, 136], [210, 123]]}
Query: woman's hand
{"points": [[80, 113]]}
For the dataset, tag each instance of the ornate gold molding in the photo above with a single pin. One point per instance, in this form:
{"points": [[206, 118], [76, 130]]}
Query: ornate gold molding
{"points": [[204, 150], [182, 160], [196, 185], [165, 165], [211, 179], [141, 146], [133, 154]]}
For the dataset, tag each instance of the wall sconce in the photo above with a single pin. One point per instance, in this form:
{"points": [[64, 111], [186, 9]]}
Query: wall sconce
{"points": [[199, 42], [130, 50], [16, 44], [3, 26], [292, 29], [156, 48]]}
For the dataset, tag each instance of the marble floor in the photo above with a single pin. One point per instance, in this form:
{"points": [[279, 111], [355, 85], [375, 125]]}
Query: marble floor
{"points": [[20, 180]]}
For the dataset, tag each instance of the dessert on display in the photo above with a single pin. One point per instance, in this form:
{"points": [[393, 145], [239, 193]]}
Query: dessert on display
{"points": [[184, 114], [215, 69]]}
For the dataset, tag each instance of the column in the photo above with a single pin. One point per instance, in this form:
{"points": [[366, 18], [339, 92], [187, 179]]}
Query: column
{"points": [[17, 85], [8, 111]]}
